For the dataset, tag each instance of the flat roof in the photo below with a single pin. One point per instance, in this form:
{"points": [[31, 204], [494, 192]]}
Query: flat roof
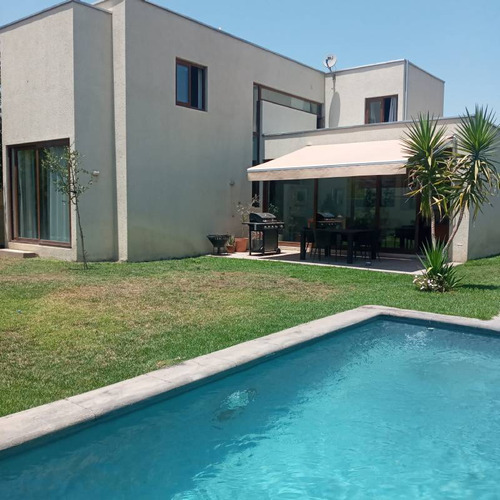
{"points": [[385, 63], [319, 131], [53, 7], [95, 5]]}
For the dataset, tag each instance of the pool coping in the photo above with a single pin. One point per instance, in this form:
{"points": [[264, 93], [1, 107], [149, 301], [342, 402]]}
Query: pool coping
{"points": [[44, 421]]}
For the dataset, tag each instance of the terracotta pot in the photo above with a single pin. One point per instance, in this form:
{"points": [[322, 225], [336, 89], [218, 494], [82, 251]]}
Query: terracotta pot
{"points": [[241, 244], [230, 248]]}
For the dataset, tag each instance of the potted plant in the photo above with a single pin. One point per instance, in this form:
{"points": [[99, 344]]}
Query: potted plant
{"points": [[230, 246], [243, 211]]}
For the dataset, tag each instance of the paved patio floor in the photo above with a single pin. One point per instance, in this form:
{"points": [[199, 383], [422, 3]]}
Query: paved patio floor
{"points": [[391, 263]]}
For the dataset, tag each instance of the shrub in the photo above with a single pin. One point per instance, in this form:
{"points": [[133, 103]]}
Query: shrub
{"points": [[439, 275]]}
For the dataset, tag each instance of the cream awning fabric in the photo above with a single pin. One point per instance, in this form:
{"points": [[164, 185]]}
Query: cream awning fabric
{"points": [[334, 160]]}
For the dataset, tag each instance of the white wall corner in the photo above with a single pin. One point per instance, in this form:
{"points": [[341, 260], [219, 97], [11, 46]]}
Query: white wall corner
{"points": [[460, 245]]}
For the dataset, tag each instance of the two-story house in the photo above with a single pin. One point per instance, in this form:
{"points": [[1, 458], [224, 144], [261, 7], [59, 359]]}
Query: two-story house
{"points": [[175, 120]]}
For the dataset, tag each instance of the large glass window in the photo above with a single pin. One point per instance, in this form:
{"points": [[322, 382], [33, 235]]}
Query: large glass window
{"points": [[398, 214], [39, 211], [191, 85], [290, 101], [380, 203], [292, 202], [334, 197]]}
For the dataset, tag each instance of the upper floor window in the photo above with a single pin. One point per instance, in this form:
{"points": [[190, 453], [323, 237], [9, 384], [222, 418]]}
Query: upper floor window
{"points": [[191, 85], [381, 109]]}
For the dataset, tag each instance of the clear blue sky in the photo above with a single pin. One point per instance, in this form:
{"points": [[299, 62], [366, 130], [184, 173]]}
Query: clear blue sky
{"points": [[456, 40]]}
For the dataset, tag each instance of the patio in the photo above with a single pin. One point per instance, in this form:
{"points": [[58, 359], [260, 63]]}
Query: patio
{"points": [[389, 263]]}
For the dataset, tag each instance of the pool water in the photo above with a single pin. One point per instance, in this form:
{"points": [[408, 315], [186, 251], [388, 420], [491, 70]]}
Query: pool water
{"points": [[384, 410]]}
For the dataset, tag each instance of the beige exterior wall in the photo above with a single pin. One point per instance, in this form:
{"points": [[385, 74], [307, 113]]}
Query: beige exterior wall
{"points": [[277, 119], [345, 94], [57, 84], [38, 94], [425, 93], [186, 169], [484, 230], [347, 91], [94, 128]]}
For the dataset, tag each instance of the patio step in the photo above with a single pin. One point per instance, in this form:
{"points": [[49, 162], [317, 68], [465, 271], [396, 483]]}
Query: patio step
{"points": [[9, 253]]}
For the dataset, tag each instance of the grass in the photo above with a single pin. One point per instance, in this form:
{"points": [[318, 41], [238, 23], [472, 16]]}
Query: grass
{"points": [[65, 331]]}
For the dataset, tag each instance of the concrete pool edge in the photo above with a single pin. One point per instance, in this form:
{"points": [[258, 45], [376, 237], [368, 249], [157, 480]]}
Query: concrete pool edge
{"points": [[46, 420]]}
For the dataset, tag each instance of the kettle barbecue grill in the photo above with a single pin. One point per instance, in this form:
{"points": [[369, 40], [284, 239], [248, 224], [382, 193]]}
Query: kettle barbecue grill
{"points": [[263, 231]]}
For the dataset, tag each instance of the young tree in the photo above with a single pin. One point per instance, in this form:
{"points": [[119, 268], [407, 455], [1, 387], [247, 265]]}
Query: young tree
{"points": [[428, 152], [67, 171], [475, 169]]}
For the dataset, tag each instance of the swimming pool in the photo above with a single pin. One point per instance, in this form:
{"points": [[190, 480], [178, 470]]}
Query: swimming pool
{"points": [[382, 410]]}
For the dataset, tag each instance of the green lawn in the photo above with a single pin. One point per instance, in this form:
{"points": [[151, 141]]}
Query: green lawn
{"points": [[65, 331]]}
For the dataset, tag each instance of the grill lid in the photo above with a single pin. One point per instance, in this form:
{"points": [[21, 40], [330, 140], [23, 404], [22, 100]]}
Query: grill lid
{"points": [[262, 217], [325, 216]]}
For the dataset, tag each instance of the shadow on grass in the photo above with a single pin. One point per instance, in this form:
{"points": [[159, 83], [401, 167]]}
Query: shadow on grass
{"points": [[481, 287]]}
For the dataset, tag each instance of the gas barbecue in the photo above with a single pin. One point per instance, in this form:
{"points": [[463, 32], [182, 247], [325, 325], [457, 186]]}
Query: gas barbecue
{"points": [[263, 230], [326, 219]]}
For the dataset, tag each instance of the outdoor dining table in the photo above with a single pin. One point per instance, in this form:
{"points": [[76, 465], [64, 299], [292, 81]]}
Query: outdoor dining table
{"points": [[350, 233]]}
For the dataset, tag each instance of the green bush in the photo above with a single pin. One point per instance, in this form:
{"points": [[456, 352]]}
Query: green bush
{"points": [[439, 275]]}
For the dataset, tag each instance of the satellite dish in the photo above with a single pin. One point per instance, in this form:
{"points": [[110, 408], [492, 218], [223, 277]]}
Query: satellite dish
{"points": [[330, 61]]}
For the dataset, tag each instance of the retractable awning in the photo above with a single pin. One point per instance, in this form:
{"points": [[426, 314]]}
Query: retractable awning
{"points": [[334, 160]]}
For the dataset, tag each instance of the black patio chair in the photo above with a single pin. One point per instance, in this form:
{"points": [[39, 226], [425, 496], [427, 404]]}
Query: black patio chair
{"points": [[363, 244], [322, 242]]}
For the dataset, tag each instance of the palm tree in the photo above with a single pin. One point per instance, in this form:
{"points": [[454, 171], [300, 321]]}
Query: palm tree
{"points": [[428, 152], [476, 176]]}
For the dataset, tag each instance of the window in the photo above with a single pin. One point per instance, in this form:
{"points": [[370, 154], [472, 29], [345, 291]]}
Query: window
{"points": [[39, 212], [381, 109], [290, 101], [191, 85], [261, 93]]}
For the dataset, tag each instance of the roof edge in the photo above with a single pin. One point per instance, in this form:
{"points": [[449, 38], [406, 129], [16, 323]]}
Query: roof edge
{"points": [[319, 131], [426, 72], [367, 66], [384, 63], [48, 9]]}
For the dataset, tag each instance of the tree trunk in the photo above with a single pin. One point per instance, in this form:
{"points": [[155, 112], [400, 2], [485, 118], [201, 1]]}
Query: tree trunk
{"points": [[84, 253], [433, 222], [457, 226]]}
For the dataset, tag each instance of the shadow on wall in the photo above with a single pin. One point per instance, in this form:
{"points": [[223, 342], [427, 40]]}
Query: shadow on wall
{"points": [[334, 117]]}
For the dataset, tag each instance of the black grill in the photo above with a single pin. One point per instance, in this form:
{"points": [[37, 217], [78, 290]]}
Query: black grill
{"points": [[326, 219], [263, 230]]}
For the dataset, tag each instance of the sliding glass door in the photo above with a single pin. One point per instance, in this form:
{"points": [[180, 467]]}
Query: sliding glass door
{"points": [[27, 205], [380, 203], [40, 213]]}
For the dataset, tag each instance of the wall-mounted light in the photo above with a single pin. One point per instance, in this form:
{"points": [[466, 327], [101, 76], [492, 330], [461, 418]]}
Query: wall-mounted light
{"points": [[95, 173]]}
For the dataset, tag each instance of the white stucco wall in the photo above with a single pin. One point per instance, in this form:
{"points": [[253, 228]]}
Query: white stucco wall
{"points": [[58, 84], [186, 169], [94, 128], [38, 93], [276, 145], [277, 118], [484, 230], [345, 94], [425, 93]]}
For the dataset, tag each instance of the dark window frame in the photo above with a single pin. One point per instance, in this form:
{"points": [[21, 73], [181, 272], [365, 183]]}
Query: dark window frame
{"points": [[190, 65], [369, 100], [13, 196]]}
